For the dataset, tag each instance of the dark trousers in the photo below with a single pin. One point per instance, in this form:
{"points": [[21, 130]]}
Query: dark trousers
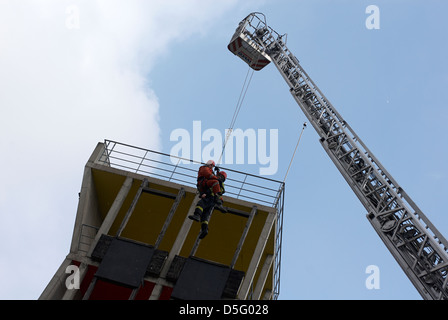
{"points": [[205, 208]]}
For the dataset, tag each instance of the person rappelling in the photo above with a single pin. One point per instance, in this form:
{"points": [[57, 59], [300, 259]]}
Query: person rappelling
{"points": [[211, 189]]}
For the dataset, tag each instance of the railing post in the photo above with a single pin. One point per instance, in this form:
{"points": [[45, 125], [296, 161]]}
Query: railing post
{"points": [[243, 236], [131, 208], [170, 216], [241, 188]]}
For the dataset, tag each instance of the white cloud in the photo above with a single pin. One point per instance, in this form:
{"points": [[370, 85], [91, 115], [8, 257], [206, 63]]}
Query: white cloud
{"points": [[61, 91]]}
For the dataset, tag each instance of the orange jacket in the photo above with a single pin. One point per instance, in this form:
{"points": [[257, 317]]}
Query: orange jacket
{"points": [[206, 172]]}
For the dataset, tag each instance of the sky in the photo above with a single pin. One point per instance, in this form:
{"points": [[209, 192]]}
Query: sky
{"points": [[76, 72]]}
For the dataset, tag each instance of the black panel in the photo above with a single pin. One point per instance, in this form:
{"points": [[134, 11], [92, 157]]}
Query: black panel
{"points": [[101, 247], [125, 262], [201, 280], [175, 269], [233, 284], [157, 262]]}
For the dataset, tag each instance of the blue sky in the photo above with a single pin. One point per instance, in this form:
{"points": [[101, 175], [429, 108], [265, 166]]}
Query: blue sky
{"points": [[387, 83], [135, 72]]}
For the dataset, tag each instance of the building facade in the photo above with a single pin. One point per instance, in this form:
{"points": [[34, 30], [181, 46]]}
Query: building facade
{"points": [[132, 237]]}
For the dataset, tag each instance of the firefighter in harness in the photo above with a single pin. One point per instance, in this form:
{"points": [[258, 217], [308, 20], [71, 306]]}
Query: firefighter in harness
{"points": [[211, 189]]}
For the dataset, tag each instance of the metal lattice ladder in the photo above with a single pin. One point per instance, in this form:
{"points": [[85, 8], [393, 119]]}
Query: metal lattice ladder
{"points": [[416, 244]]}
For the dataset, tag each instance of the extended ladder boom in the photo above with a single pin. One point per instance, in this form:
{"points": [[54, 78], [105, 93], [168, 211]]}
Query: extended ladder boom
{"points": [[419, 248]]}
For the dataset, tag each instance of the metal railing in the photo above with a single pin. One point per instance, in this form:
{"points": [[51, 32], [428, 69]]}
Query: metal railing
{"points": [[239, 185], [172, 168]]}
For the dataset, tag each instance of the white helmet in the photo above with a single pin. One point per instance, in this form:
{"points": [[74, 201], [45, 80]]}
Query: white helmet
{"points": [[210, 163]]}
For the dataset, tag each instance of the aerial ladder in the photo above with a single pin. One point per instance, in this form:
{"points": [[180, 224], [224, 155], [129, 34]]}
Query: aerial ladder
{"points": [[418, 247]]}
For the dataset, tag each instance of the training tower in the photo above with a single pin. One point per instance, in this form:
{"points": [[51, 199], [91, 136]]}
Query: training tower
{"points": [[132, 238]]}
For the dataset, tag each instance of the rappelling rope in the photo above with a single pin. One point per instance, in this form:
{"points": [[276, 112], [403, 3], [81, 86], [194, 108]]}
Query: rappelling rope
{"points": [[237, 109], [241, 97], [298, 141]]}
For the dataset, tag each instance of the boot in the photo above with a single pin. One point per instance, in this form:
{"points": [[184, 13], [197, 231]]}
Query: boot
{"points": [[218, 204], [204, 230], [196, 216]]}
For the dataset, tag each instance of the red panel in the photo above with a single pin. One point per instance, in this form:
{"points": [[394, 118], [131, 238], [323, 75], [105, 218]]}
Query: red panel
{"points": [[109, 291], [145, 291], [91, 270], [166, 293], [76, 263]]}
